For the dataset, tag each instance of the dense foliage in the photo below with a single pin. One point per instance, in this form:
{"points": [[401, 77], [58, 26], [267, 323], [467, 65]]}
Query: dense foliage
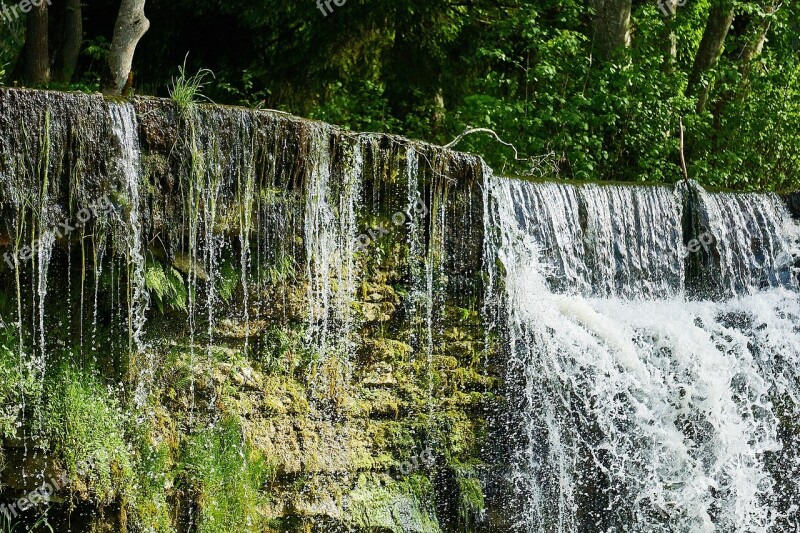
{"points": [[530, 71]]}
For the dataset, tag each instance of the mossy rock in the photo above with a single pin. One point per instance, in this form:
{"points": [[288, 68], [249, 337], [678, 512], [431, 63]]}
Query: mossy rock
{"points": [[386, 350], [380, 503]]}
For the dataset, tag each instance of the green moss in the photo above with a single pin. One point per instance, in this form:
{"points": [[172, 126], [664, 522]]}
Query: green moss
{"points": [[470, 502], [379, 503], [17, 383], [393, 435], [280, 350], [84, 424], [388, 350], [259, 468], [224, 476], [284, 397], [150, 507]]}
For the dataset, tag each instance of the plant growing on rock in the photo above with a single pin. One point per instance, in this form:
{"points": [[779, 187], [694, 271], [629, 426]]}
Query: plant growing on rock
{"points": [[186, 90]]}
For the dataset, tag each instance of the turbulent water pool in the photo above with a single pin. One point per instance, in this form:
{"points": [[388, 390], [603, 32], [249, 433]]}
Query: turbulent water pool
{"points": [[644, 405]]}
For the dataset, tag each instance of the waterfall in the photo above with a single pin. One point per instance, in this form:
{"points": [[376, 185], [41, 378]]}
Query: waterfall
{"points": [[330, 234], [756, 240], [426, 346], [638, 408], [601, 240], [420, 261], [125, 130]]}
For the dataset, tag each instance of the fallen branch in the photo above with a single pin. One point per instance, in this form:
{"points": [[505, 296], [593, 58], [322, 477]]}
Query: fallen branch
{"points": [[683, 159], [537, 162], [470, 131]]}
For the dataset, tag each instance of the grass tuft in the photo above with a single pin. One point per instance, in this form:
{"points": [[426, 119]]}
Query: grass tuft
{"points": [[186, 90]]}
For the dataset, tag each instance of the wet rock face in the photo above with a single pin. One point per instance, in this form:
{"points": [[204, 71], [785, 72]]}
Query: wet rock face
{"points": [[312, 327], [48, 140], [793, 201]]}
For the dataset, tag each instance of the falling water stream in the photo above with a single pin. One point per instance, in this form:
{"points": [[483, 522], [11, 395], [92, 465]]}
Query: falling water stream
{"points": [[330, 232], [641, 409], [125, 129], [756, 240]]}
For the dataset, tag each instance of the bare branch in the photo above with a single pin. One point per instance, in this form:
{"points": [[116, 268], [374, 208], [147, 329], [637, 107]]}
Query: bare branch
{"points": [[683, 159], [470, 131], [537, 162]]}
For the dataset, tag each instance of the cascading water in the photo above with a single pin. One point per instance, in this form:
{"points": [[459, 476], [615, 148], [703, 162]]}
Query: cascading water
{"points": [[629, 255], [330, 233], [756, 240], [125, 129], [642, 410], [314, 352], [421, 268]]}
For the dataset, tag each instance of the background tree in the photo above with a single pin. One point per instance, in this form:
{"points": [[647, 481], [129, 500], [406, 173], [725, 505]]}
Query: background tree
{"points": [[612, 22], [130, 28], [720, 17], [69, 31], [36, 63]]}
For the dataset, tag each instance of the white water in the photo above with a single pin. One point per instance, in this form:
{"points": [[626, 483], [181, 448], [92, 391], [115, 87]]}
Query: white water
{"points": [[618, 250], [642, 414], [330, 231], [125, 129], [756, 239], [422, 261]]}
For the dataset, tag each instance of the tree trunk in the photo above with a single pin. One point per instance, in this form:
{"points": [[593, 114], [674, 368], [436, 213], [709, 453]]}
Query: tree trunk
{"points": [[71, 43], [439, 115], [719, 22], [750, 34], [36, 60], [754, 47], [612, 20], [668, 37], [131, 26]]}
